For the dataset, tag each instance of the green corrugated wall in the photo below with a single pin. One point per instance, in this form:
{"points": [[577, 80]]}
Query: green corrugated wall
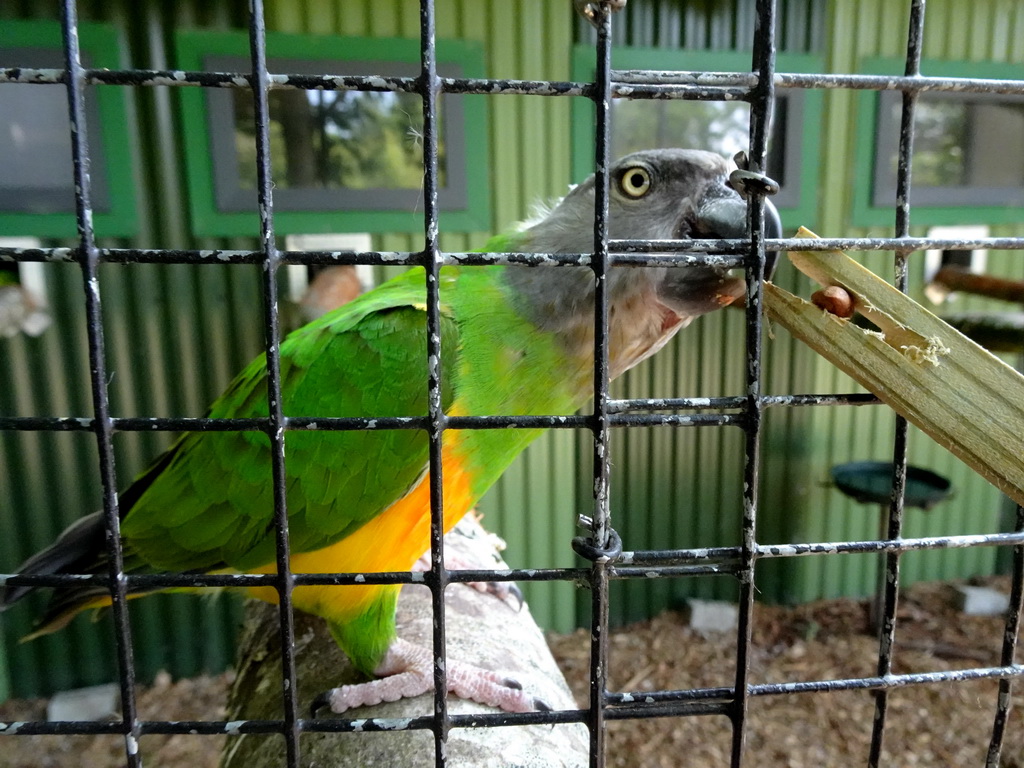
{"points": [[980, 32], [177, 333]]}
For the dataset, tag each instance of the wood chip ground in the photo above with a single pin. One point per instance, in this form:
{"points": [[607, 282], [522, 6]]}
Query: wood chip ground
{"points": [[934, 725]]}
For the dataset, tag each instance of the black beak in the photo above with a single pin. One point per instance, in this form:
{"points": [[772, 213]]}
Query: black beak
{"points": [[722, 214], [725, 216], [772, 230]]}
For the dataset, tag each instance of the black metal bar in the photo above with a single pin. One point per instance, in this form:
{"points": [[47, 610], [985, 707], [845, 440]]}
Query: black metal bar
{"points": [[729, 85], [890, 244], [891, 580], [179, 424], [684, 92], [874, 683], [767, 551], [761, 107], [738, 401], [600, 266], [271, 261], [1011, 635], [744, 411], [428, 89], [600, 534], [726, 254], [80, 159], [624, 705], [640, 704], [707, 252], [631, 564], [820, 80], [622, 415], [278, 81]]}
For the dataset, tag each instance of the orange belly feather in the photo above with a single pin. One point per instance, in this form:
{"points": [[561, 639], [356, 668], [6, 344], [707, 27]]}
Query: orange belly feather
{"points": [[392, 541]]}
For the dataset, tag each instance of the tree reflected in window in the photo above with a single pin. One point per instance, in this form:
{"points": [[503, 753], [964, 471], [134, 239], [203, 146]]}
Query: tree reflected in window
{"points": [[968, 150], [940, 138], [336, 140]]}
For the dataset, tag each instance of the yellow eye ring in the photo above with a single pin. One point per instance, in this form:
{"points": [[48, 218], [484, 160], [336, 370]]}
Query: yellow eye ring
{"points": [[635, 182]]}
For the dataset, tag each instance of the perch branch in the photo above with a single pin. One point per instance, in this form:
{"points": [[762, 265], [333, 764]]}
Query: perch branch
{"points": [[482, 629]]}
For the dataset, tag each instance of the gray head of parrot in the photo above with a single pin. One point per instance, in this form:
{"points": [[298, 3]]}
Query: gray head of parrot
{"points": [[657, 194]]}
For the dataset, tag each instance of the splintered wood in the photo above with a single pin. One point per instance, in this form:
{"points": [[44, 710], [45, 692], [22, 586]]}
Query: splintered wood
{"points": [[960, 395]]}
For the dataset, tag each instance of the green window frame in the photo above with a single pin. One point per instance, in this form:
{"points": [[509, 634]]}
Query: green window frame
{"points": [[214, 194], [939, 205], [798, 202], [110, 133]]}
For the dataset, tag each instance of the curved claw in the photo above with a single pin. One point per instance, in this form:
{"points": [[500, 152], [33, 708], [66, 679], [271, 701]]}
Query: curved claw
{"points": [[517, 593], [320, 702], [501, 590]]}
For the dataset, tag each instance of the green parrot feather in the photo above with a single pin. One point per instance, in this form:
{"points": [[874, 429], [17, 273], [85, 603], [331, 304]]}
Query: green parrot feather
{"points": [[515, 340]]}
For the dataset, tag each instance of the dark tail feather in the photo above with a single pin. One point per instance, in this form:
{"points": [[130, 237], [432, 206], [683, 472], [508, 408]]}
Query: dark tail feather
{"points": [[79, 549]]}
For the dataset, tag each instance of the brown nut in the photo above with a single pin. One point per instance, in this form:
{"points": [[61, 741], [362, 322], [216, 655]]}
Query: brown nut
{"points": [[835, 300]]}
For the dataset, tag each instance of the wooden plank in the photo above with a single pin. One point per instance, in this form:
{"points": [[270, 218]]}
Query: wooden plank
{"points": [[963, 397]]}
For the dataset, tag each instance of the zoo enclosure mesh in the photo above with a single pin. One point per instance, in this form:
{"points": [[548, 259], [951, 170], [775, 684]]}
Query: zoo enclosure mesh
{"points": [[601, 544]]}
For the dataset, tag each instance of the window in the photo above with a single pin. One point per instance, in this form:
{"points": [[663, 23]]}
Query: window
{"points": [[35, 141], [37, 186], [341, 159], [719, 126], [968, 159], [968, 150]]}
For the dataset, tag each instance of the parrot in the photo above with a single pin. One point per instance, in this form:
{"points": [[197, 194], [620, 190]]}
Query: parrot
{"points": [[21, 310], [514, 340]]}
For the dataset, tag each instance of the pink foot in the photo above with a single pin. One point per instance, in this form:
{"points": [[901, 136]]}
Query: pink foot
{"points": [[503, 590], [407, 671]]}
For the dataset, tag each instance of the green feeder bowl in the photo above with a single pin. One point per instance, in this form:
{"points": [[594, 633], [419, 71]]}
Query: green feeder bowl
{"points": [[871, 482]]}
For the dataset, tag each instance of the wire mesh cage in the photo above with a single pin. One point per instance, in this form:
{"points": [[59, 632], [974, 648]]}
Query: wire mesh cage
{"points": [[600, 545]]}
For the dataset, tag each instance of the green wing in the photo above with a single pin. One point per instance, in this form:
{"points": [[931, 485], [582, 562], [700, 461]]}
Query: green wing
{"points": [[506, 241], [208, 502]]}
